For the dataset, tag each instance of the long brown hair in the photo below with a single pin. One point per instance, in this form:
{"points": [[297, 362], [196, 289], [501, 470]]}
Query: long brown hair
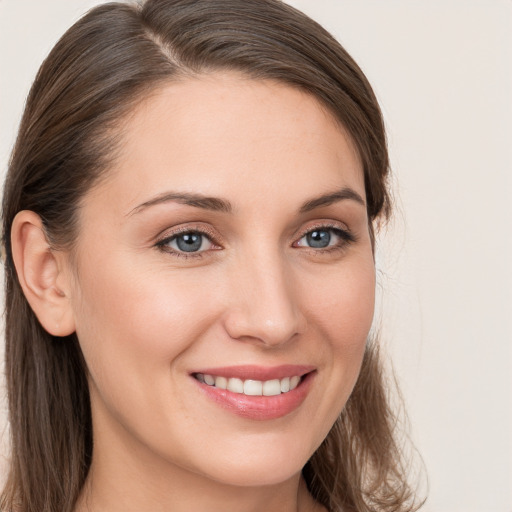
{"points": [[107, 62]]}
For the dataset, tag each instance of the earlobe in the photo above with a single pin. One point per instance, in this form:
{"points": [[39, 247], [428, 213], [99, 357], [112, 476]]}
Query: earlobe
{"points": [[41, 272]]}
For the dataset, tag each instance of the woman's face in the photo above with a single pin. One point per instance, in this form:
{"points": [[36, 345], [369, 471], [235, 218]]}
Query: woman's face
{"points": [[229, 244]]}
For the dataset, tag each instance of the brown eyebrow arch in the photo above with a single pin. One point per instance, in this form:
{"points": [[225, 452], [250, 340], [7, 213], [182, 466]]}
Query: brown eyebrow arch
{"points": [[223, 205], [330, 198], [190, 199]]}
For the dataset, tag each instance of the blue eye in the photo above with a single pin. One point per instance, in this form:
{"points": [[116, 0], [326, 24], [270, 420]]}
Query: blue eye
{"points": [[318, 239], [322, 238], [189, 242]]}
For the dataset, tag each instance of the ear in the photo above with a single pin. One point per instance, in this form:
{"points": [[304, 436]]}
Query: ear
{"points": [[43, 274]]}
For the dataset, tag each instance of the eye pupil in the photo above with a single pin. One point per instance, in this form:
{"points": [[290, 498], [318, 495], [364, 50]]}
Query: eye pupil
{"points": [[189, 242], [318, 238]]}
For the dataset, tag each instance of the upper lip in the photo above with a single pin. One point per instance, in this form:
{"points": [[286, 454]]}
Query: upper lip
{"points": [[255, 372]]}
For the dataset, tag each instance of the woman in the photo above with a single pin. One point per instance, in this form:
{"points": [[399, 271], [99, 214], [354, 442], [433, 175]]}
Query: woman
{"points": [[189, 223]]}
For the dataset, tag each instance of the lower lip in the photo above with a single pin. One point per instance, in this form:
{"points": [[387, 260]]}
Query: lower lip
{"points": [[259, 407]]}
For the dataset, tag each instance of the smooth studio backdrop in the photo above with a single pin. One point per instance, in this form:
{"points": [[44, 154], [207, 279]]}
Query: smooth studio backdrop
{"points": [[442, 70]]}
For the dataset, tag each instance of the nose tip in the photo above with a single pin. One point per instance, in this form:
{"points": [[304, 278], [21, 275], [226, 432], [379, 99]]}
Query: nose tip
{"points": [[265, 309], [269, 332]]}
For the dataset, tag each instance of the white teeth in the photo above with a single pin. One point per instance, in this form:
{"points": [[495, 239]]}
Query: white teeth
{"points": [[251, 387], [208, 379], [272, 387], [235, 385], [221, 382], [294, 382]]}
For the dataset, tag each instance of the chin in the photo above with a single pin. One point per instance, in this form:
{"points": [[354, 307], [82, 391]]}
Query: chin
{"points": [[258, 466], [258, 476]]}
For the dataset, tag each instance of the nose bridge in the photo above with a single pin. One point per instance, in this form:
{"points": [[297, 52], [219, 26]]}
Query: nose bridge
{"points": [[266, 305]]}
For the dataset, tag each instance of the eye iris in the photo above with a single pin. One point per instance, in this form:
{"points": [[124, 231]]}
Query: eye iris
{"points": [[318, 239], [189, 242]]}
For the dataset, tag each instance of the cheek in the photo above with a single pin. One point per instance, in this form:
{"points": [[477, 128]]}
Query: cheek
{"points": [[339, 304], [343, 306], [341, 312], [135, 333], [134, 324]]}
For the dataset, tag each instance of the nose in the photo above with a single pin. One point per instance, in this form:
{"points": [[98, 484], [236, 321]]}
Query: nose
{"points": [[265, 304]]}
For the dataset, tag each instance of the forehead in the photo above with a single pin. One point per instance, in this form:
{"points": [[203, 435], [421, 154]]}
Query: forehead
{"points": [[225, 134]]}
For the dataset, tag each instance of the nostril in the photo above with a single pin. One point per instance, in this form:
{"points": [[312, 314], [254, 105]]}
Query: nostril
{"points": [[269, 333]]}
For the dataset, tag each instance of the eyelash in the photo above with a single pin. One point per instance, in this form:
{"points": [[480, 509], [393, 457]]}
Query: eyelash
{"points": [[163, 243], [345, 236]]}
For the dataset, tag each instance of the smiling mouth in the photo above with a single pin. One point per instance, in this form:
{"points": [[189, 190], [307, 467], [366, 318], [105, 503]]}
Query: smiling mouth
{"points": [[257, 392], [250, 387]]}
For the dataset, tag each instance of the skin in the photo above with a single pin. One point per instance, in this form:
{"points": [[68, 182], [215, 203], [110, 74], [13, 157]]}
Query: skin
{"points": [[256, 293]]}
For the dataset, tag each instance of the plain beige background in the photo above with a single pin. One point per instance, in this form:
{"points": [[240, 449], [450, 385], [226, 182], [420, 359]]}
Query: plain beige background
{"points": [[442, 70]]}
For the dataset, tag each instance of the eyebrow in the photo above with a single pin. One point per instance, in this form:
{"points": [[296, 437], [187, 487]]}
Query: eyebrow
{"points": [[198, 200], [331, 198], [223, 205]]}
